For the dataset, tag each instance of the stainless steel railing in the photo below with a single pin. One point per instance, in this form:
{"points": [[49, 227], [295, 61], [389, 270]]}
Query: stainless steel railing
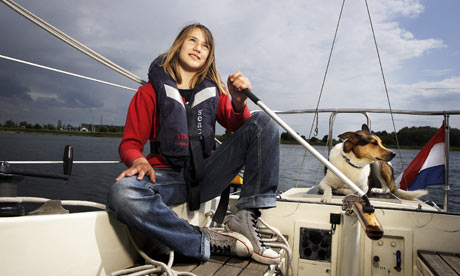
{"points": [[445, 113]]}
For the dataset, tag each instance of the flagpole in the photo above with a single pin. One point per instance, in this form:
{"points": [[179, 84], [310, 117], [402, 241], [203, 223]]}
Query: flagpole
{"points": [[446, 161]]}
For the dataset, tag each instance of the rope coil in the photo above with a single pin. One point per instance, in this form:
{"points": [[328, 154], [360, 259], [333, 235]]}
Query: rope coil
{"points": [[153, 266]]}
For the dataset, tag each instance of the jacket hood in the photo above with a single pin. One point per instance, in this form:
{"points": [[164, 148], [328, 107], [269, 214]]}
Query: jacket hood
{"points": [[156, 67]]}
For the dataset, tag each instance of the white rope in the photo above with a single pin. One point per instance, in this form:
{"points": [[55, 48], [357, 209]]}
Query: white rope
{"points": [[63, 202], [65, 72], [135, 270], [284, 245], [158, 267], [149, 260], [171, 258], [152, 266], [147, 272], [208, 221], [131, 270], [185, 273]]}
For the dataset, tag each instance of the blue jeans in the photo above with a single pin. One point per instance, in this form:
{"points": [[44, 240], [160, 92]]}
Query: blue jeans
{"points": [[144, 205]]}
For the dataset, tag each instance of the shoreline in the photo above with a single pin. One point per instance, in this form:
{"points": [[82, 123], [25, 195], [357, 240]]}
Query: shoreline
{"points": [[120, 135], [65, 133], [387, 146]]}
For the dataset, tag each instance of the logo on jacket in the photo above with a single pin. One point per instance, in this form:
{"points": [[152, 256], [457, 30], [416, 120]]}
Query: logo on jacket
{"points": [[182, 139], [199, 118]]}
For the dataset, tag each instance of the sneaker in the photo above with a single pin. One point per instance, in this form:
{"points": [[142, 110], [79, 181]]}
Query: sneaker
{"points": [[228, 243], [245, 222]]}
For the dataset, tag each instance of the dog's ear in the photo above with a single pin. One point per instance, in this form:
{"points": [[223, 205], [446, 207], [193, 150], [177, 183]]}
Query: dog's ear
{"points": [[365, 128], [350, 142], [348, 146], [346, 135]]}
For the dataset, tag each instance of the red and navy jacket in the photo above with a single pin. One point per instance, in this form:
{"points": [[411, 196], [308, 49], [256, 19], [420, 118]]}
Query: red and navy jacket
{"points": [[157, 113], [173, 138]]}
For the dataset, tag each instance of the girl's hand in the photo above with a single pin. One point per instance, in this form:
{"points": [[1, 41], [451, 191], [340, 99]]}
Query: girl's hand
{"points": [[236, 83], [141, 167]]}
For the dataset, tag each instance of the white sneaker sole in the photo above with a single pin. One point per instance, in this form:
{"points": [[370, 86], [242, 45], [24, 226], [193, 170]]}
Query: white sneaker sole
{"points": [[243, 245], [265, 259], [256, 256]]}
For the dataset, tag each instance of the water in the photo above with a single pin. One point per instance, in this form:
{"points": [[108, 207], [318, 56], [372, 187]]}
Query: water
{"points": [[88, 182], [312, 171], [92, 181]]}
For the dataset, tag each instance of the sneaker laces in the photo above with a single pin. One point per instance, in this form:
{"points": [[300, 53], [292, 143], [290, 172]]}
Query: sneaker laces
{"points": [[255, 219], [217, 249]]}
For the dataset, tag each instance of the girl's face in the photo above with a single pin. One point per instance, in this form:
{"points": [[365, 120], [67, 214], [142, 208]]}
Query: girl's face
{"points": [[194, 51]]}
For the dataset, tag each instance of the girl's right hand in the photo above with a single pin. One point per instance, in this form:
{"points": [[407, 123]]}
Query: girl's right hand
{"points": [[236, 83], [141, 167]]}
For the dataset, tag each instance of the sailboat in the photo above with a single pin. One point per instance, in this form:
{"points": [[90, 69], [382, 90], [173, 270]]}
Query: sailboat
{"points": [[350, 235]]}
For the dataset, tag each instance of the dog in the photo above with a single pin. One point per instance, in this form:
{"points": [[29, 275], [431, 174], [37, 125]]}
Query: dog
{"points": [[364, 160]]}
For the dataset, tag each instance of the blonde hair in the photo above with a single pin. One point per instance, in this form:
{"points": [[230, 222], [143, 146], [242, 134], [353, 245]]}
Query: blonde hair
{"points": [[208, 70]]}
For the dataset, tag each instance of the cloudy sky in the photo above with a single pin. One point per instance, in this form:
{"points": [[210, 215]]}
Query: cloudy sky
{"points": [[282, 46]]}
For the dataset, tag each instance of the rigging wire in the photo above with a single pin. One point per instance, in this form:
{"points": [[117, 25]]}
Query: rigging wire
{"points": [[71, 41], [316, 115], [325, 73], [385, 85], [65, 72], [315, 118]]}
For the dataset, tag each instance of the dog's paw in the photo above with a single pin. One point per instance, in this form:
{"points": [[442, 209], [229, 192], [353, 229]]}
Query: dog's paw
{"points": [[327, 196], [378, 191]]}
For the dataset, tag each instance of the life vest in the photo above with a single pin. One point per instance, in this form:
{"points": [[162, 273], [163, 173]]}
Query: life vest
{"points": [[172, 141]]}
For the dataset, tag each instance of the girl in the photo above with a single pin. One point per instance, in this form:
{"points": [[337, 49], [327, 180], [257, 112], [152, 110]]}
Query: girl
{"points": [[177, 111]]}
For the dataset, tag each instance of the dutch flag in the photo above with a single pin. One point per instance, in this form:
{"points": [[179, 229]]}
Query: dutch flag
{"points": [[428, 166]]}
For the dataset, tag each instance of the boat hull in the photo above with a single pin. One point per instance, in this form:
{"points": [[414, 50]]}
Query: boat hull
{"points": [[88, 243]]}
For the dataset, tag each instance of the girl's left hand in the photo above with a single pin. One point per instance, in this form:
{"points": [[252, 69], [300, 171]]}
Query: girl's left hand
{"points": [[236, 83]]}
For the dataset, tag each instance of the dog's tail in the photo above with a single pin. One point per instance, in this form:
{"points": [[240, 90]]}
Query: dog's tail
{"points": [[410, 195]]}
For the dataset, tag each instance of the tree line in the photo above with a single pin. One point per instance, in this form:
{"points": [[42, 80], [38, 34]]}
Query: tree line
{"points": [[417, 136], [407, 137], [85, 127]]}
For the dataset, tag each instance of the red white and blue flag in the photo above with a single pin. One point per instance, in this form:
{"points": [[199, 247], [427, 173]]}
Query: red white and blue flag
{"points": [[428, 166]]}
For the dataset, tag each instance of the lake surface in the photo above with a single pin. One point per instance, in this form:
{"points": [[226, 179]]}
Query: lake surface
{"points": [[92, 181]]}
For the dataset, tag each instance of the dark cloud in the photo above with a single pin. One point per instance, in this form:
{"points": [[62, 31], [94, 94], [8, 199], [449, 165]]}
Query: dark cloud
{"points": [[11, 87]]}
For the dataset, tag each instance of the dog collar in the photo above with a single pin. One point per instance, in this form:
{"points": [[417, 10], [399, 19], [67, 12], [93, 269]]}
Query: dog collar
{"points": [[350, 163]]}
